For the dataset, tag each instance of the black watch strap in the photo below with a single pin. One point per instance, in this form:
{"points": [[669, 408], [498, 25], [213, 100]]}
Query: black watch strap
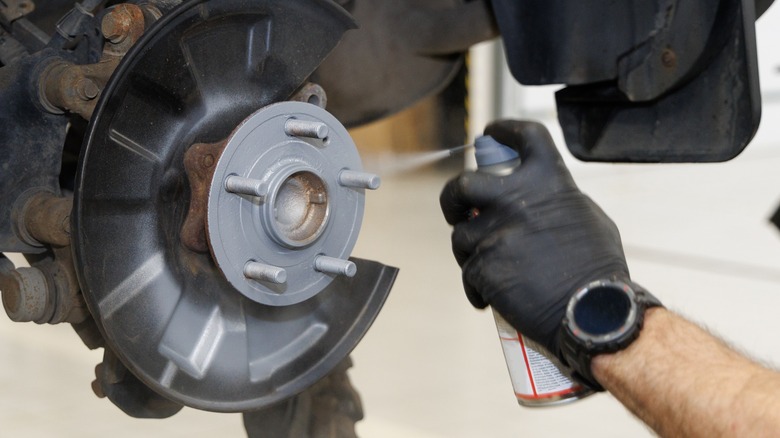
{"points": [[578, 351]]}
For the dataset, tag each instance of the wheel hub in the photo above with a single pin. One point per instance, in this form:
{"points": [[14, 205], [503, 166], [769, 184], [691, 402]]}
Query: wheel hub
{"points": [[279, 204]]}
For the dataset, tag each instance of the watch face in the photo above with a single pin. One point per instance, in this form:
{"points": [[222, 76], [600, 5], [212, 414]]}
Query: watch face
{"points": [[602, 311]]}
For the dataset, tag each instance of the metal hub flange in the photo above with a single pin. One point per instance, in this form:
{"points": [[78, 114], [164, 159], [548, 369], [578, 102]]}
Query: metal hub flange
{"points": [[286, 203]]}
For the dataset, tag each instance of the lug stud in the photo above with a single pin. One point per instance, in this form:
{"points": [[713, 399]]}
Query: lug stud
{"points": [[245, 186], [359, 180], [332, 265], [306, 128], [262, 272]]}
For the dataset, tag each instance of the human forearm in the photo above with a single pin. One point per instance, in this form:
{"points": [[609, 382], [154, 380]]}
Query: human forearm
{"points": [[682, 381]]}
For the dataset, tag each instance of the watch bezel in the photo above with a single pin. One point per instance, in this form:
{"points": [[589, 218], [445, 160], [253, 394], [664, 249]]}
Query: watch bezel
{"points": [[615, 335]]}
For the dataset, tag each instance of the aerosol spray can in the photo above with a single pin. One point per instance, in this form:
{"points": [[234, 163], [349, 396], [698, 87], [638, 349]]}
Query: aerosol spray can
{"points": [[536, 378]]}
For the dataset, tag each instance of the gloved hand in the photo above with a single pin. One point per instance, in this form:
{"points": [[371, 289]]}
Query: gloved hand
{"points": [[536, 238]]}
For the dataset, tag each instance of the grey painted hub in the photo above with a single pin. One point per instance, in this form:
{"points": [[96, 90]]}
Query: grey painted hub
{"points": [[286, 203]]}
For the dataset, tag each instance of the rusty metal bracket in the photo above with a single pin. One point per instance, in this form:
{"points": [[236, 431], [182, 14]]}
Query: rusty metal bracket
{"points": [[75, 88], [48, 291], [65, 86], [199, 164]]}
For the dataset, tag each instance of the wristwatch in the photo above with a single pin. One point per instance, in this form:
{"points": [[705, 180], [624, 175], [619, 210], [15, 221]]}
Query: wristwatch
{"points": [[604, 316]]}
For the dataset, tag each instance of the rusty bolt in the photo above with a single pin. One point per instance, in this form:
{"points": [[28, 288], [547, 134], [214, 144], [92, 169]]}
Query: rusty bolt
{"points": [[208, 160], [25, 295], [669, 58], [113, 30], [118, 24], [87, 89]]}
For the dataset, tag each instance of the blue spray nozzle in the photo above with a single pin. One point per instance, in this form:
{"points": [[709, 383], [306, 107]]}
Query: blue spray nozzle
{"points": [[489, 151]]}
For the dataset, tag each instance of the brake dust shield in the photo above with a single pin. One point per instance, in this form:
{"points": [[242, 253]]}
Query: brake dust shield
{"points": [[180, 319]]}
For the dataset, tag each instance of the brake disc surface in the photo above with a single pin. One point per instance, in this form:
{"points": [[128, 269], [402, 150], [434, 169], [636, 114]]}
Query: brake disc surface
{"points": [[170, 313]]}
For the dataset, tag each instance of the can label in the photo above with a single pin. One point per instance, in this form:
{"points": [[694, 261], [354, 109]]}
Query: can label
{"points": [[535, 378]]}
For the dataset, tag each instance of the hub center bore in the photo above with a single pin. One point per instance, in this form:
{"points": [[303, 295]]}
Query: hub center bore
{"points": [[300, 209]]}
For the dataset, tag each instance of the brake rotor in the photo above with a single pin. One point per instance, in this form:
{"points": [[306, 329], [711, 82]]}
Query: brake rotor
{"points": [[216, 330]]}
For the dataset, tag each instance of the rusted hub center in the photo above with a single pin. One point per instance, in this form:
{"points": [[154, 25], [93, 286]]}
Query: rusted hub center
{"points": [[301, 208]]}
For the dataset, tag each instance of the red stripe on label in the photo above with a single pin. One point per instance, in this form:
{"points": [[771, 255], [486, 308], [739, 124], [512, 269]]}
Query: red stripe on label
{"points": [[547, 395], [527, 366]]}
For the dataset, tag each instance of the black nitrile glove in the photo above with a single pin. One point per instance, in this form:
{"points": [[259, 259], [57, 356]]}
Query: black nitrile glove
{"points": [[536, 238]]}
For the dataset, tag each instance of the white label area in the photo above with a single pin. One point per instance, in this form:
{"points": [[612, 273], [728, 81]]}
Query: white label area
{"points": [[533, 375]]}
